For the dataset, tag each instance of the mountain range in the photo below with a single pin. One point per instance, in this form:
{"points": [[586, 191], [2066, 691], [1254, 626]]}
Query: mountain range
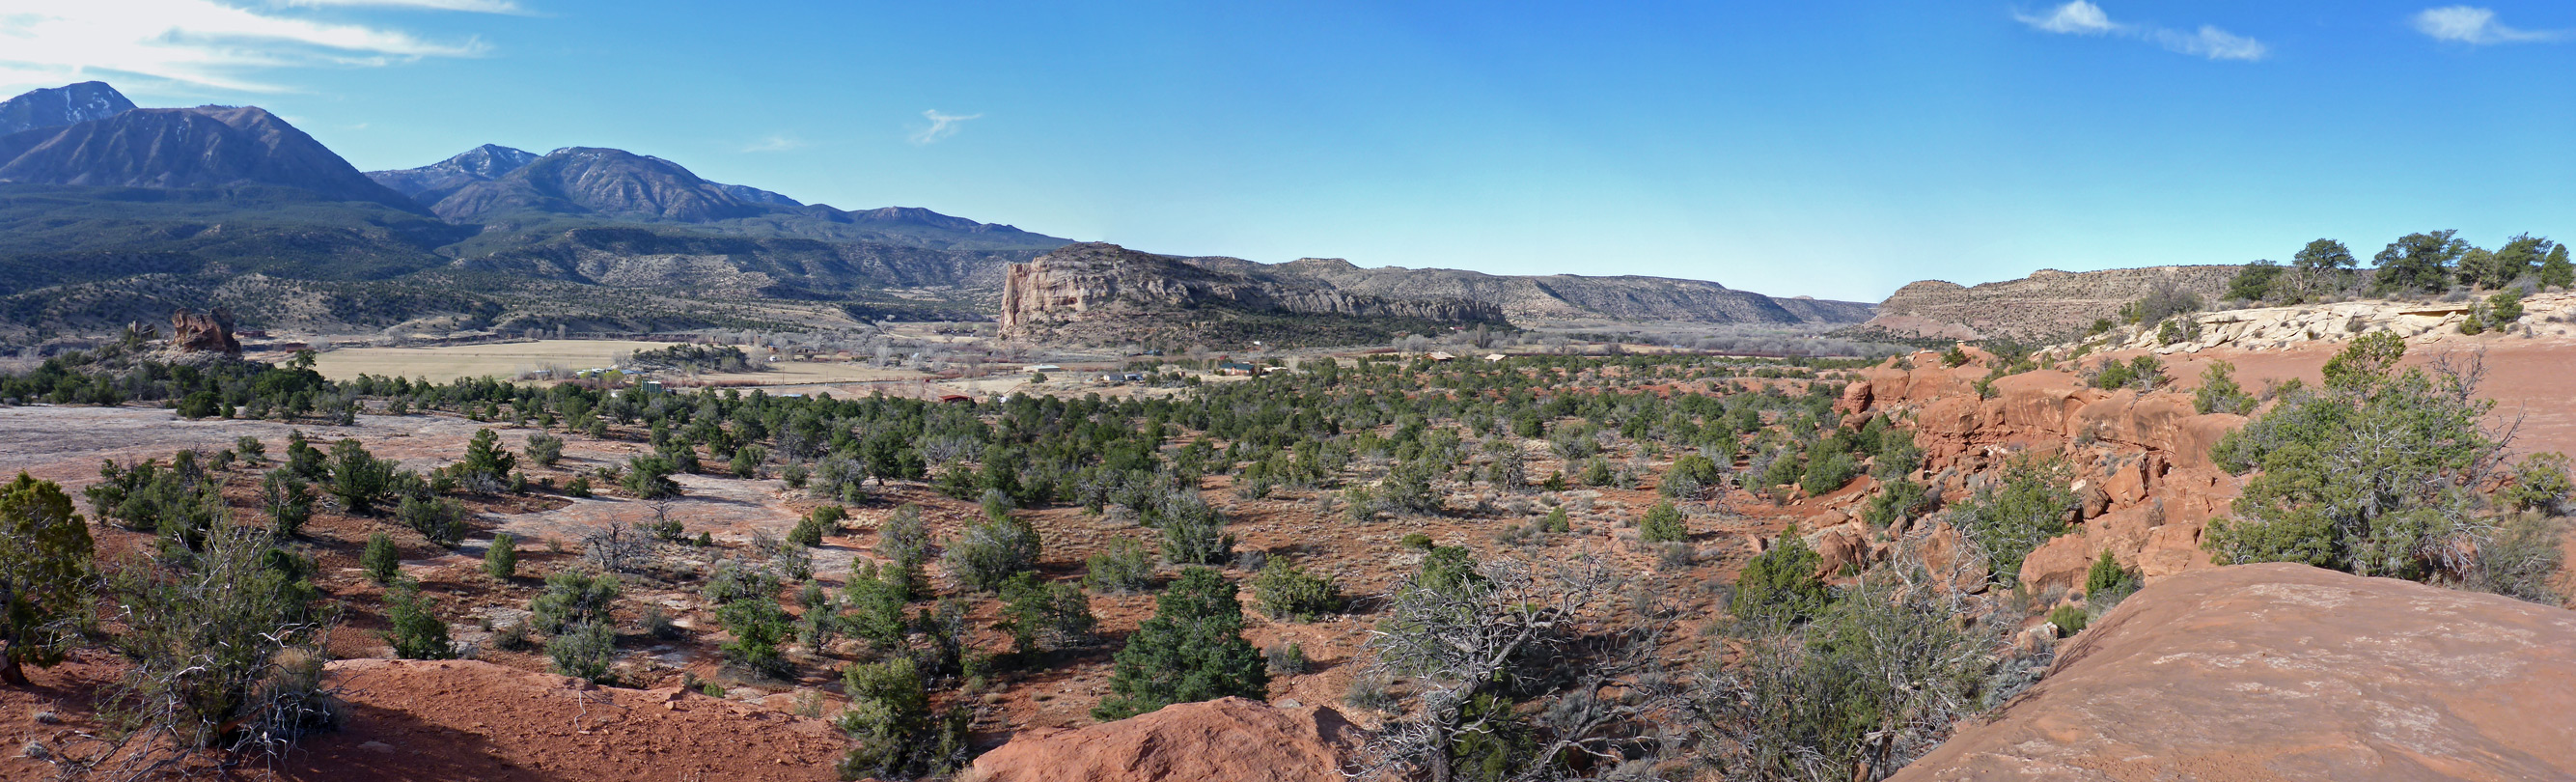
{"points": [[110, 213]]}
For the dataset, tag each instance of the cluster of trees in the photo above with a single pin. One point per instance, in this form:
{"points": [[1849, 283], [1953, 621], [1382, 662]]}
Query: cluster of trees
{"points": [[2415, 264]]}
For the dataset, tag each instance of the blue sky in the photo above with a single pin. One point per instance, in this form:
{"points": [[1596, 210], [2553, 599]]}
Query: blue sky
{"points": [[1836, 149]]}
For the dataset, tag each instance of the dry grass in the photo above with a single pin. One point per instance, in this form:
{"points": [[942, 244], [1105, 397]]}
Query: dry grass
{"points": [[502, 360]]}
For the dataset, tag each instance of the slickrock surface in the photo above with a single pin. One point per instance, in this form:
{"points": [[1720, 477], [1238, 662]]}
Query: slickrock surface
{"points": [[2282, 672]]}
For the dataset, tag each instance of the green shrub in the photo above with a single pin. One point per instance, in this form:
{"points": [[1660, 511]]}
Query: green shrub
{"points": [[225, 644], [2371, 473], [1289, 592], [1193, 533], [45, 575], [747, 460], [1125, 568], [2219, 392], [413, 627], [544, 449], [2540, 482], [1872, 682], [579, 486], [893, 733], [2068, 619], [1191, 650], [583, 650], [358, 478], [1780, 586], [2106, 583], [904, 537], [1417, 540], [287, 501], [571, 597], [501, 559], [1287, 658], [439, 519], [807, 532], [380, 559], [1663, 524], [649, 478], [485, 460], [985, 555], [759, 627], [2013, 516], [1055, 615], [1899, 500], [1556, 521], [1828, 471]]}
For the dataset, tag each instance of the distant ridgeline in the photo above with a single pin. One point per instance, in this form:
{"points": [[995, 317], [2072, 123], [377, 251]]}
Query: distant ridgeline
{"points": [[112, 214]]}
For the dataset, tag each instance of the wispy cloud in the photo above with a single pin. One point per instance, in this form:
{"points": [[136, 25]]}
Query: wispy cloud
{"points": [[775, 142], [2475, 27], [941, 126], [475, 6], [190, 43], [2211, 42], [2080, 17]]}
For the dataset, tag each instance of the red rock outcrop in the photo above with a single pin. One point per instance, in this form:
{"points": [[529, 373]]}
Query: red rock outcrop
{"points": [[2280, 672], [209, 332], [1223, 739], [2143, 476]]}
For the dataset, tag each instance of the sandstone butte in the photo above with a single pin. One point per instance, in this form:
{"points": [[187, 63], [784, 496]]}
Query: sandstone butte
{"points": [[2282, 672], [1225, 739]]}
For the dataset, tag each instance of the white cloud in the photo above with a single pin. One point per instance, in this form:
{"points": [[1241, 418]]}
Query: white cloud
{"points": [[2474, 26], [941, 126], [775, 142], [475, 6], [2077, 17], [188, 43], [2213, 43], [2080, 17]]}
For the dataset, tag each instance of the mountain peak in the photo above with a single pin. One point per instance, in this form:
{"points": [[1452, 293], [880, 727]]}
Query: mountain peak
{"points": [[203, 147], [428, 184], [489, 161], [59, 106]]}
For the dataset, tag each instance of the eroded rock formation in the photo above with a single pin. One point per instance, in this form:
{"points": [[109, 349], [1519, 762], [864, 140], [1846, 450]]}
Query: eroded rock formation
{"points": [[207, 332], [1103, 292], [2140, 460]]}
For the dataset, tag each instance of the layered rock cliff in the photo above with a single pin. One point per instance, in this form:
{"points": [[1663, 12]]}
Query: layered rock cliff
{"points": [[2046, 304], [1101, 293], [1569, 297]]}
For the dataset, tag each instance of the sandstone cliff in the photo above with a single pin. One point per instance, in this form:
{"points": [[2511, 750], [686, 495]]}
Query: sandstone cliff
{"points": [[2281, 671], [1558, 297], [2048, 303], [1102, 293]]}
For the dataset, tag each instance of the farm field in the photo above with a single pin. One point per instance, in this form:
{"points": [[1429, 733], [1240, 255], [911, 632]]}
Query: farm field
{"points": [[508, 359], [502, 360]]}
